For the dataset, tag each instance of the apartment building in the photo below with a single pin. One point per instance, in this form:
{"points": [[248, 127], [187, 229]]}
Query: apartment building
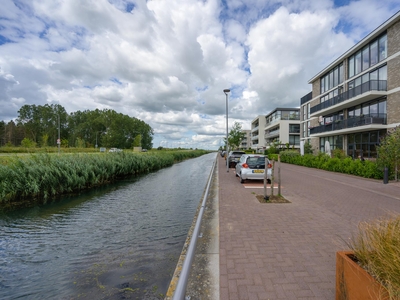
{"points": [[246, 142], [355, 100], [257, 133], [282, 125]]}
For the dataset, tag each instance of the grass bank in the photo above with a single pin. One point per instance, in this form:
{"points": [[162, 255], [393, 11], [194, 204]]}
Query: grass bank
{"points": [[43, 176]]}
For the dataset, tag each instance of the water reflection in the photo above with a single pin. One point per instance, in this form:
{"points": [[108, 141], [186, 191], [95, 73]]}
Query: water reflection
{"points": [[121, 241]]}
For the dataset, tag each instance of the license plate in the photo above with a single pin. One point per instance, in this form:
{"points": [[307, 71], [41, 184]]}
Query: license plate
{"points": [[258, 171]]}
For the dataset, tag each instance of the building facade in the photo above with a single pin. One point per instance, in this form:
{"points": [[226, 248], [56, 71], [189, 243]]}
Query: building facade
{"points": [[282, 126], [246, 142], [356, 99], [257, 133]]}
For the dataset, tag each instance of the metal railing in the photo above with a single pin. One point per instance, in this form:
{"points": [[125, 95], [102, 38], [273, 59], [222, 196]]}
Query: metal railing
{"points": [[306, 98], [372, 85], [180, 290], [351, 122]]}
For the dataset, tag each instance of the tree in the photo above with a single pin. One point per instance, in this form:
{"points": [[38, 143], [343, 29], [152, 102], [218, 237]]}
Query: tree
{"points": [[137, 142], [27, 143], [389, 151], [235, 136], [308, 148]]}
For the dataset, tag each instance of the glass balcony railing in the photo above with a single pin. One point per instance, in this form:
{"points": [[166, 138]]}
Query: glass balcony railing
{"points": [[372, 85], [351, 122]]}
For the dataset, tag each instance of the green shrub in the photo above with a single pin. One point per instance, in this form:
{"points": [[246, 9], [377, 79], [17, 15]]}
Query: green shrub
{"points": [[367, 168]]}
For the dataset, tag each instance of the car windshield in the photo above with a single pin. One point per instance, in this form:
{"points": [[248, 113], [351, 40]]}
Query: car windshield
{"points": [[256, 162]]}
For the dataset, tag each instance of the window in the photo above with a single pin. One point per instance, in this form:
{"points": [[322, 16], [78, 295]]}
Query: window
{"points": [[364, 144], [365, 58], [382, 73], [341, 78], [357, 63], [332, 79], [294, 140], [335, 76], [294, 128], [374, 109], [368, 56], [335, 142], [383, 48], [374, 53], [351, 66]]}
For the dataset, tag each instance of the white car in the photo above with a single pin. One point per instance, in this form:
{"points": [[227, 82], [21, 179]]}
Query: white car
{"points": [[115, 150], [252, 167]]}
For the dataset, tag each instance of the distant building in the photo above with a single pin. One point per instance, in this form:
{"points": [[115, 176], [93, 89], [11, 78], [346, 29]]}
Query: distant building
{"points": [[257, 133], [246, 142], [282, 126], [356, 98]]}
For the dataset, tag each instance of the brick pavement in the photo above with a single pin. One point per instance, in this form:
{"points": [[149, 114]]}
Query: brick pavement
{"points": [[287, 251]]}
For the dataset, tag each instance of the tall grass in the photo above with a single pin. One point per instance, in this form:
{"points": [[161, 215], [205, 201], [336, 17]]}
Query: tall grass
{"points": [[48, 175], [377, 248]]}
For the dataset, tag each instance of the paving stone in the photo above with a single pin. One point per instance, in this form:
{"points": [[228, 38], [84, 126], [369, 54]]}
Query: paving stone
{"points": [[287, 251]]}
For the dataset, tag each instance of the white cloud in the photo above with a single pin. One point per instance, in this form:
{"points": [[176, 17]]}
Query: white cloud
{"points": [[167, 62]]}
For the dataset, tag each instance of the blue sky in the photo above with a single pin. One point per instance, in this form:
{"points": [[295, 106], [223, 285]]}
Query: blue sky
{"points": [[167, 62]]}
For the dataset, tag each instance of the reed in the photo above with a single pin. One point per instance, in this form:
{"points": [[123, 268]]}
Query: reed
{"points": [[377, 249], [47, 175]]}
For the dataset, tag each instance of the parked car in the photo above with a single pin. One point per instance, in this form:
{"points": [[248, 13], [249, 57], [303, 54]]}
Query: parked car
{"points": [[234, 157], [252, 166], [115, 150], [223, 153]]}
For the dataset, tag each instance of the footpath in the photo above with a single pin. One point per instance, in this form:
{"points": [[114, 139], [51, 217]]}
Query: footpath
{"points": [[287, 250], [253, 250]]}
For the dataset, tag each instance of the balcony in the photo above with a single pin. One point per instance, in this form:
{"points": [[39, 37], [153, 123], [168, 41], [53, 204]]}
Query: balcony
{"points": [[351, 123], [271, 134], [374, 88]]}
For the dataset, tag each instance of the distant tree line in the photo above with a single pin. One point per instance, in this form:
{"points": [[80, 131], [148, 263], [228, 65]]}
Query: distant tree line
{"points": [[41, 125]]}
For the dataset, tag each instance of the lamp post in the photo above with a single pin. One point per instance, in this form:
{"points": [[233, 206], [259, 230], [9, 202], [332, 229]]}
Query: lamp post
{"points": [[226, 91], [59, 138]]}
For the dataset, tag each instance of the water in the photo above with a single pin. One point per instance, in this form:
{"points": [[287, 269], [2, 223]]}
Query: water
{"points": [[119, 242]]}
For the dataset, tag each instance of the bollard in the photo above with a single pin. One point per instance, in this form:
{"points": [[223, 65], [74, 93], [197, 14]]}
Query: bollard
{"points": [[385, 175]]}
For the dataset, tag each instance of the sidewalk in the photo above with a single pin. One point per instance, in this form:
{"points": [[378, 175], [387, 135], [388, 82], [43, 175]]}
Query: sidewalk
{"points": [[287, 251]]}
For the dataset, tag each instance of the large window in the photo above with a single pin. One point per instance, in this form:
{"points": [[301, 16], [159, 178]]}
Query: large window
{"points": [[332, 79], [335, 142], [364, 144], [367, 57], [377, 80]]}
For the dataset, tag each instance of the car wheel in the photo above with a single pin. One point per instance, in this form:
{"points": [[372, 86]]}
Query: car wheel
{"points": [[241, 179]]}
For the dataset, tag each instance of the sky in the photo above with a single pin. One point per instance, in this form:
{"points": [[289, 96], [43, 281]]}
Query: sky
{"points": [[168, 62]]}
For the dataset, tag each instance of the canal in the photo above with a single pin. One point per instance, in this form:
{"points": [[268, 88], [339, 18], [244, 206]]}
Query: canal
{"points": [[121, 241]]}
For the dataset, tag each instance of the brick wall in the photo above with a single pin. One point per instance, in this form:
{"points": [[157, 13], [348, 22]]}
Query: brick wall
{"points": [[393, 100]]}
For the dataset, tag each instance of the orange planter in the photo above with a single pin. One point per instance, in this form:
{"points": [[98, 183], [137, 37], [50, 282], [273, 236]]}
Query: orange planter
{"points": [[353, 282]]}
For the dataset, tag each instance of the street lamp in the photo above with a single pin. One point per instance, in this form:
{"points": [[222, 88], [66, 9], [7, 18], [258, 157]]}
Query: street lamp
{"points": [[226, 91], [59, 138]]}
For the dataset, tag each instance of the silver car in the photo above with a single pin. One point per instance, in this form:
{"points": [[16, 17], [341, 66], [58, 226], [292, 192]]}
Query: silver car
{"points": [[252, 166]]}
